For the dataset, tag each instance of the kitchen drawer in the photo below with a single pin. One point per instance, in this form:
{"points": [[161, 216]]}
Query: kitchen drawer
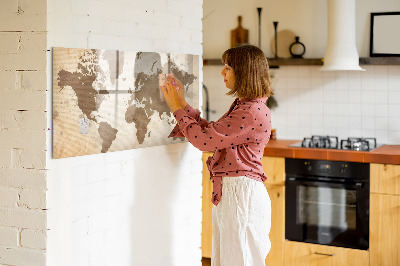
{"points": [[305, 254]]}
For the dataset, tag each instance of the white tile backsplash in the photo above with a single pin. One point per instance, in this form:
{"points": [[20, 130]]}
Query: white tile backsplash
{"points": [[394, 110], [382, 136], [381, 83], [380, 71], [343, 103], [304, 82], [342, 109], [394, 137], [342, 123], [329, 109], [292, 83], [382, 110], [367, 122], [393, 71], [367, 96], [368, 110], [394, 123], [355, 96], [382, 123], [394, 82], [394, 97], [381, 97], [291, 71]]}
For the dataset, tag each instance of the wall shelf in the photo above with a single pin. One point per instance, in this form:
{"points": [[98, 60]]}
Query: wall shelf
{"points": [[380, 61], [274, 63]]}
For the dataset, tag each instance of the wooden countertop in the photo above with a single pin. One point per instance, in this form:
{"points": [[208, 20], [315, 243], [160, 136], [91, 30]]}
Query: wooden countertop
{"points": [[389, 154]]}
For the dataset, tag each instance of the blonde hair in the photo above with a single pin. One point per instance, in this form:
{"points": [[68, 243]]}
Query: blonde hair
{"points": [[250, 66]]}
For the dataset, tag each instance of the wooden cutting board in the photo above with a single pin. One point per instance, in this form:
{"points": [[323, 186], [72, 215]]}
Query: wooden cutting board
{"points": [[239, 35]]}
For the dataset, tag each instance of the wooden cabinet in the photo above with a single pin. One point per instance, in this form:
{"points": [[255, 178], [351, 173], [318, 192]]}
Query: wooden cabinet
{"points": [[206, 226], [305, 254], [384, 236], [274, 168], [385, 178], [277, 233]]}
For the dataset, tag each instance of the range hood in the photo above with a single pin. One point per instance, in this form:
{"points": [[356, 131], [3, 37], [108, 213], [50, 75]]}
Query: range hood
{"points": [[341, 51]]}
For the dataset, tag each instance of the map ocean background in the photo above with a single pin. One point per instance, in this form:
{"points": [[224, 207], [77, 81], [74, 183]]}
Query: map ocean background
{"points": [[115, 95]]}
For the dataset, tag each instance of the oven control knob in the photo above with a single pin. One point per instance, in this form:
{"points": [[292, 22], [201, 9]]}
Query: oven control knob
{"points": [[343, 168], [308, 166]]}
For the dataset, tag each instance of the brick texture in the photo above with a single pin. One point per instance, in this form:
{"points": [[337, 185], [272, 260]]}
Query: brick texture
{"points": [[33, 239], [9, 237], [17, 256], [8, 197], [23, 218], [33, 199], [23, 178], [23, 125]]}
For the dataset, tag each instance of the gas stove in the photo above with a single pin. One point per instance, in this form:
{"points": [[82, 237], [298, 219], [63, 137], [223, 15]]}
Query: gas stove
{"points": [[332, 142]]}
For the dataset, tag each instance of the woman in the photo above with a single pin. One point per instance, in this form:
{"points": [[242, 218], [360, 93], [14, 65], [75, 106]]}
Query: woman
{"points": [[242, 208]]}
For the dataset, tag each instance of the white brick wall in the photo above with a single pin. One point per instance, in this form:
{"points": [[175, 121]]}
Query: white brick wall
{"points": [[135, 207], [23, 132]]}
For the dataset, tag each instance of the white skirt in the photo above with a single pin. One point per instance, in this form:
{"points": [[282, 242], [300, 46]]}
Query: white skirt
{"points": [[241, 223]]}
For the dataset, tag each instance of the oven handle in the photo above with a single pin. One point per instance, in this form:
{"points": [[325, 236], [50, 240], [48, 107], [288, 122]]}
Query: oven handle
{"points": [[357, 185]]}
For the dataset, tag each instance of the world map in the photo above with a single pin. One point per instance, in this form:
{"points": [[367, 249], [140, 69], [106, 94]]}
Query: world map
{"points": [[110, 100]]}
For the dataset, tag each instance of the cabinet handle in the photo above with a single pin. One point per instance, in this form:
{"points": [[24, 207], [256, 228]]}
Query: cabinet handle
{"points": [[325, 254]]}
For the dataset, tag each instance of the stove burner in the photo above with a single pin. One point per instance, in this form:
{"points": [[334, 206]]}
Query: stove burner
{"points": [[358, 144], [328, 142], [332, 142]]}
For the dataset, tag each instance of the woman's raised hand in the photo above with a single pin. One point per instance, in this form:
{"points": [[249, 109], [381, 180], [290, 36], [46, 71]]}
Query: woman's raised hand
{"points": [[174, 93], [181, 89]]}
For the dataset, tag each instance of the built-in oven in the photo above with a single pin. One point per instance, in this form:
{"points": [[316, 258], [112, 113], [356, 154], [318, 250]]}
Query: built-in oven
{"points": [[327, 202]]}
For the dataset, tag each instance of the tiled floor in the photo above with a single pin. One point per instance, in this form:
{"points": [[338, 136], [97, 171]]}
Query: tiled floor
{"points": [[206, 261]]}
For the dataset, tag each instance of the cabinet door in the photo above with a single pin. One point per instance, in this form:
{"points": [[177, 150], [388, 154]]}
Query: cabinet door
{"points": [[274, 168], [385, 178], [206, 232], [305, 254], [384, 230], [277, 233]]}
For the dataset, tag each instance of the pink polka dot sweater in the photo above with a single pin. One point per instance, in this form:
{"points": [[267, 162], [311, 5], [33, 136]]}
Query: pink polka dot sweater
{"points": [[238, 139]]}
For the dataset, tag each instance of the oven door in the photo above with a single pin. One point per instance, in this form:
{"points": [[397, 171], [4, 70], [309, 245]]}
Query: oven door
{"points": [[327, 213]]}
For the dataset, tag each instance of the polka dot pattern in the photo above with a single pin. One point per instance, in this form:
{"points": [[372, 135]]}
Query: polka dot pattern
{"points": [[238, 139]]}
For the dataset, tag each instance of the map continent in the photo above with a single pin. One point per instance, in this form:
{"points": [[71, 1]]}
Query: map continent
{"points": [[110, 100]]}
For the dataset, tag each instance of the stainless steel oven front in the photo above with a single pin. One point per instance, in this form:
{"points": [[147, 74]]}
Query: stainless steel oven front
{"points": [[327, 202]]}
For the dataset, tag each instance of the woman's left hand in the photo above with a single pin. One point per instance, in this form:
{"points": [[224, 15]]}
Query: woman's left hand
{"points": [[171, 94]]}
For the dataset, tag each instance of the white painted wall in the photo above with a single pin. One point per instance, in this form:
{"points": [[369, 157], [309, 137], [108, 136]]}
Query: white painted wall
{"points": [[311, 102], [135, 207], [23, 133]]}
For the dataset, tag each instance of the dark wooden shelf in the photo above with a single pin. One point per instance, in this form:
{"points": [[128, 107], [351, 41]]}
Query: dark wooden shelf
{"points": [[380, 61], [295, 62], [273, 63]]}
